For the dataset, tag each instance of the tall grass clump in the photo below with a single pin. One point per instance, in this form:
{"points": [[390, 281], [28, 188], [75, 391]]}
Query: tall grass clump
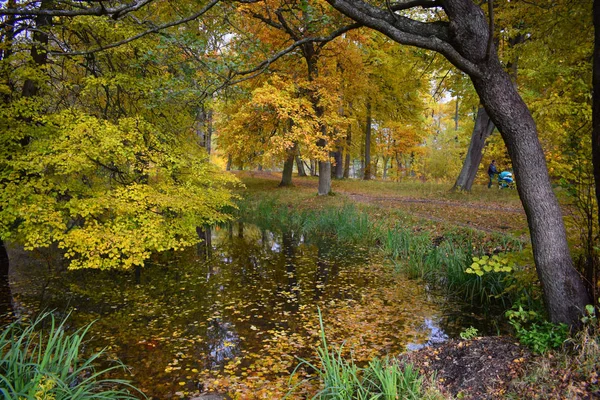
{"points": [[342, 379], [347, 223], [45, 363], [443, 263]]}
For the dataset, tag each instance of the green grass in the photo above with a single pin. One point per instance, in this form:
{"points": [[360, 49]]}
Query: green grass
{"points": [[42, 361]]}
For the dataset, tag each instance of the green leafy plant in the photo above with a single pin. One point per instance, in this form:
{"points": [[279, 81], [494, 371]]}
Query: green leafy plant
{"points": [[534, 331], [495, 263], [469, 333], [37, 363]]}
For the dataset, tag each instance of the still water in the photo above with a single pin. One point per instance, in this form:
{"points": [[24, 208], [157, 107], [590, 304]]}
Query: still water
{"points": [[238, 309]]}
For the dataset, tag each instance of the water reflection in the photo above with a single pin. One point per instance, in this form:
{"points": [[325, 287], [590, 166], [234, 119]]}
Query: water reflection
{"points": [[199, 309]]}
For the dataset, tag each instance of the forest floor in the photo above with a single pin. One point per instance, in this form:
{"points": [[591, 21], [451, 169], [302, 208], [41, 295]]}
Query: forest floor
{"points": [[481, 368]]}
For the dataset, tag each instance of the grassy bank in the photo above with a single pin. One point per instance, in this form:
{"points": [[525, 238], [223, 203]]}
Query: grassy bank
{"points": [[439, 254]]}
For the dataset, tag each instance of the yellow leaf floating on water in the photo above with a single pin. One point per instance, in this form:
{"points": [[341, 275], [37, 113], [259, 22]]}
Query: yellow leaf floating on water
{"points": [[181, 383]]}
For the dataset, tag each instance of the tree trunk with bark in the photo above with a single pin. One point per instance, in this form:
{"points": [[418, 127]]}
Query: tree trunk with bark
{"points": [[338, 171], [348, 161], [324, 178], [481, 131], [300, 166], [367, 170], [466, 40], [288, 167]]}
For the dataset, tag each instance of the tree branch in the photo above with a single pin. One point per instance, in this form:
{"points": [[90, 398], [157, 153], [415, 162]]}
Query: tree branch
{"points": [[431, 36], [115, 12], [156, 29]]}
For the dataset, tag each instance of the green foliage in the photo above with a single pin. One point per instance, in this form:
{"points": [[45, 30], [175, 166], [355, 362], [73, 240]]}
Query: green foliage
{"points": [[110, 194], [534, 331], [495, 263], [469, 333], [38, 362]]}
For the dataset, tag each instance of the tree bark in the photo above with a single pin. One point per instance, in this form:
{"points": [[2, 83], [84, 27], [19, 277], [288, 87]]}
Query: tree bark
{"points": [[339, 164], [481, 131], [466, 40], [300, 166], [367, 171], [324, 178], [348, 144], [288, 167], [564, 290]]}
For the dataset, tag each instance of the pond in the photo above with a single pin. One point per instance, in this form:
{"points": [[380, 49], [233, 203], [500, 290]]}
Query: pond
{"points": [[234, 315]]}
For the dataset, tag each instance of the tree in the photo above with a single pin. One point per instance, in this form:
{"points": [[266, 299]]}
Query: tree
{"points": [[98, 151], [465, 39]]}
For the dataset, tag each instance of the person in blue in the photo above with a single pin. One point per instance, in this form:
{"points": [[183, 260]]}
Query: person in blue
{"points": [[491, 172]]}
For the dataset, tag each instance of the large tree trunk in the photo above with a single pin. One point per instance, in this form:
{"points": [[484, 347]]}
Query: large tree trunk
{"points": [[564, 290], [466, 40], [481, 131], [367, 171]]}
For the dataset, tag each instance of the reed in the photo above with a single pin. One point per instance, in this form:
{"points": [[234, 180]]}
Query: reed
{"points": [[38, 363]]}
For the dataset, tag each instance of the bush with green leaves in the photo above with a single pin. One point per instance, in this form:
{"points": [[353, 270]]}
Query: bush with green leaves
{"points": [[41, 360], [534, 331]]}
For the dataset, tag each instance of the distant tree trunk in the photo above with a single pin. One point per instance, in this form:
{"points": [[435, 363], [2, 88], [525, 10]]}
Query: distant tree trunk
{"points": [[367, 170], [313, 167], [348, 144], [481, 131], [456, 115], [385, 167], [339, 164], [228, 167], [300, 166], [209, 131], [324, 178], [288, 167]]}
